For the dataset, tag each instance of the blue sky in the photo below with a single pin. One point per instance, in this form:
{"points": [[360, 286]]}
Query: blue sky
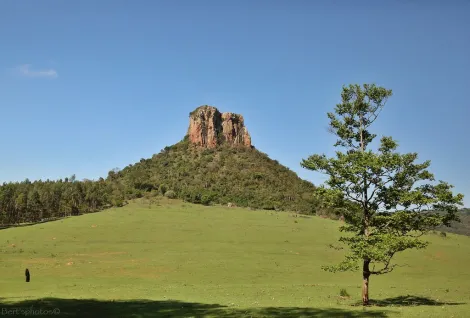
{"points": [[87, 86]]}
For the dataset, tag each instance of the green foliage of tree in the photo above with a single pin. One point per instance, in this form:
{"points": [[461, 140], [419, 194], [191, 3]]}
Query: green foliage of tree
{"points": [[385, 196], [39, 200]]}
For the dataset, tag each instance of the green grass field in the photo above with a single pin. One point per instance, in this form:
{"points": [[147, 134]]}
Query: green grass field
{"points": [[183, 260]]}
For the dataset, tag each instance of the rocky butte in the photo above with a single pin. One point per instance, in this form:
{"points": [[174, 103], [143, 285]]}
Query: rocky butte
{"points": [[209, 128]]}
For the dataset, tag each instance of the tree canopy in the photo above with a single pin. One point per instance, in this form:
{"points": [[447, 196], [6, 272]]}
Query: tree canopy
{"points": [[388, 196]]}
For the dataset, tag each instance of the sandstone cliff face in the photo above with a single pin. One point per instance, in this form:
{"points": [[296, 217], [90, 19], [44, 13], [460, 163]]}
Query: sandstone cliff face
{"points": [[209, 128]]}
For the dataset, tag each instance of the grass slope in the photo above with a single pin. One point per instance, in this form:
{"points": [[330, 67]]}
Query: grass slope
{"points": [[182, 260]]}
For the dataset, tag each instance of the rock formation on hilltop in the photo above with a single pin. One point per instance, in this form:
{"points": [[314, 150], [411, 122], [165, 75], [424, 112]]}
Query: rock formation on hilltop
{"points": [[209, 128]]}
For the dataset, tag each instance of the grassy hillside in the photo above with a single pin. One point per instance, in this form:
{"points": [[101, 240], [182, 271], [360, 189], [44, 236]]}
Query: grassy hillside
{"points": [[243, 176], [173, 259], [462, 227]]}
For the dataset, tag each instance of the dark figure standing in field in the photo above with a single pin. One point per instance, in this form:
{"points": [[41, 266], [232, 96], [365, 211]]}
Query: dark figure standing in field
{"points": [[27, 275]]}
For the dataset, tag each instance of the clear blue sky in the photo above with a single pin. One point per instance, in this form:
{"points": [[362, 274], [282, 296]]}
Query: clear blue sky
{"points": [[87, 86]]}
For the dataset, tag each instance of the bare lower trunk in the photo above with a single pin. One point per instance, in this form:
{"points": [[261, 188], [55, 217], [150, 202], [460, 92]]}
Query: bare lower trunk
{"points": [[366, 220], [365, 283]]}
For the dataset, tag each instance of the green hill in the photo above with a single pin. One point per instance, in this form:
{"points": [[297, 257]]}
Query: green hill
{"points": [[226, 174]]}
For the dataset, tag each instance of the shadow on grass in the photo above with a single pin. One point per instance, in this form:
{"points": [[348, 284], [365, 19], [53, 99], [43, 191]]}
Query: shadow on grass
{"points": [[408, 301], [9, 226], [168, 308]]}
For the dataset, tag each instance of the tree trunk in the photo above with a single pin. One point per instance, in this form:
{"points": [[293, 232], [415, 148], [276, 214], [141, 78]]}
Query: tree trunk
{"points": [[365, 283]]}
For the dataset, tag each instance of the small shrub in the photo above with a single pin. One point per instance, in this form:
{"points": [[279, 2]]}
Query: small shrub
{"points": [[118, 202], [206, 199], [443, 234], [170, 194], [162, 188], [343, 293]]}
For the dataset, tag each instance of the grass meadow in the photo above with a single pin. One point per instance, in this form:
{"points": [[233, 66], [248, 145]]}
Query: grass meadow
{"points": [[173, 259]]}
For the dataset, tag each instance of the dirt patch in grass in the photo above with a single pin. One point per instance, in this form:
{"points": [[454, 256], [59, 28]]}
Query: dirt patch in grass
{"points": [[439, 256]]}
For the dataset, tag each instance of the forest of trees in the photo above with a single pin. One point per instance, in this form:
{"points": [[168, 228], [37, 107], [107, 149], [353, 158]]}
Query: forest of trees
{"points": [[28, 201]]}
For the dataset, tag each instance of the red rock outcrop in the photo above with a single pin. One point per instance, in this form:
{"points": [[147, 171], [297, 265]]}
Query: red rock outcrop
{"points": [[209, 128]]}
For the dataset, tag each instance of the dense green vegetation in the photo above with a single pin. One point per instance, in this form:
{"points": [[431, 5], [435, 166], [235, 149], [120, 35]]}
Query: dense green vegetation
{"points": [[241, 176], [169, 258], [28, 201]]}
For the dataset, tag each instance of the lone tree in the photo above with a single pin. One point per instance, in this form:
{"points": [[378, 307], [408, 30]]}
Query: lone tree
{"points": [[385, 197]]}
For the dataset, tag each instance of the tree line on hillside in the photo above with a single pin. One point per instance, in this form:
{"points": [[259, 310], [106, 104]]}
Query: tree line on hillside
{"points": [[27, 201]]}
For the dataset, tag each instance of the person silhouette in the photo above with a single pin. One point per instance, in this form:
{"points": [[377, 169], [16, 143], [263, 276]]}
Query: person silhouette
{"points": [[28, 276]]}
